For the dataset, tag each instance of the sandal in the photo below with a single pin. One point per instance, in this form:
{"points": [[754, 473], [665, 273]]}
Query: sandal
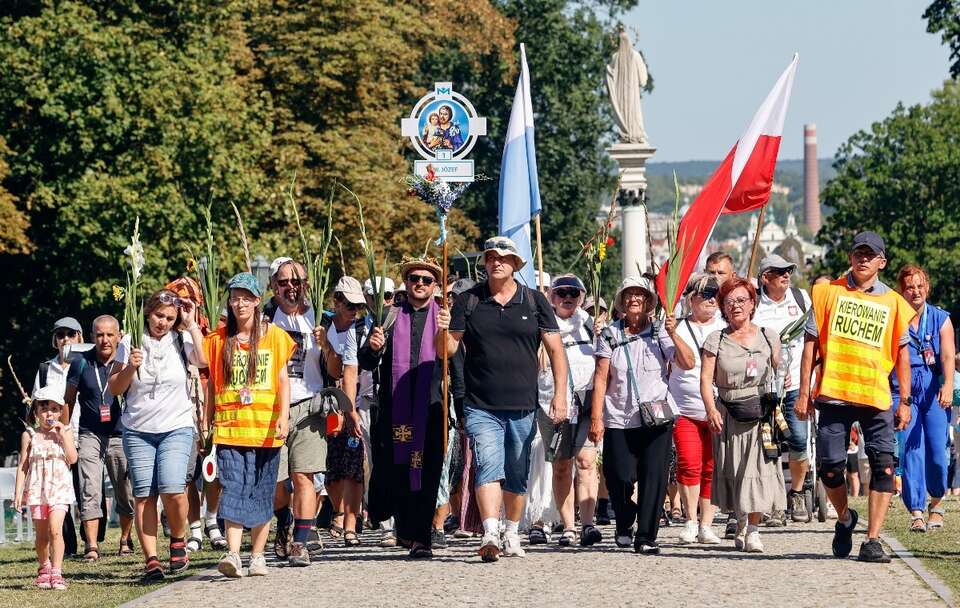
{"points": [[91, 555], [568, 538], [125, 548], [421, 552], [350, 539], [676, 515], [178, 557], [194, 543], [537, 536], [936, 525], [218, 542], [153, 570], [336, 532], [917, 524]]}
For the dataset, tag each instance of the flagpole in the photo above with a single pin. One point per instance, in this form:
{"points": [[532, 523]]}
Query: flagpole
{"points": [[756, 241], [536, 224], [445, 378]]}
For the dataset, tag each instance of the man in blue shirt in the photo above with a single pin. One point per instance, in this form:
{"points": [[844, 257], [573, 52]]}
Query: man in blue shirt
{"points": [[100, 441]]}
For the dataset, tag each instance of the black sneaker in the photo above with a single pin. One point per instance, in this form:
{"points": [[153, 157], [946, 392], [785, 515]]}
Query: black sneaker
{"points": [[624, 539], [438, 540], [843, 535], [872, 551], [590, 536], [732, 526], [451, 523]]}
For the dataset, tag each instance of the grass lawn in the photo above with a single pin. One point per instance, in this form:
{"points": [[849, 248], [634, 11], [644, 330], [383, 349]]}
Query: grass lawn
{"points": [[110, 582], [939, 550]]}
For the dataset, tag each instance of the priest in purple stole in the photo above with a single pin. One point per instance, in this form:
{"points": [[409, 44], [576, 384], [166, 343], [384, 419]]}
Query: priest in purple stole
{"points": [[407, 425]]}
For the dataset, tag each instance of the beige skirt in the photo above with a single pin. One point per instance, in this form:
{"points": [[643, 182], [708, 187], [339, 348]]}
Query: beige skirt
{"points": [[744, 481]]}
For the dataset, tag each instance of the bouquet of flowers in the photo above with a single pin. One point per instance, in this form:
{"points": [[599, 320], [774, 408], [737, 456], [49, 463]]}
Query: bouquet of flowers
{"points": [[595, 249], [438, 193], [132, 301], [365, 244], [318, 273]]}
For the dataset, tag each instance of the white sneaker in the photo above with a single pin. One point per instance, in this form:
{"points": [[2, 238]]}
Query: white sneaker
{"points": [[689, 533], [258, 565], [511, 545], [708, 537], [230, 565], [489, 548], [740, 539], [752, 543]]}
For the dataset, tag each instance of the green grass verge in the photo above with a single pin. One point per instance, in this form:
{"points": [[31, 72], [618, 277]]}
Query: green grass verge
{"points": [[110, 582], [938, 550]]}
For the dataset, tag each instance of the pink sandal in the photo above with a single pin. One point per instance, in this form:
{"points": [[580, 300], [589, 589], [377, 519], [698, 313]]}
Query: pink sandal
{"points": [[43, 576], [56, 580]]}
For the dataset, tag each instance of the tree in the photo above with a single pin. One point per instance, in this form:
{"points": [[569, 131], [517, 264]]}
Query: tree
{"points": [[902, 179], [943, 16]]}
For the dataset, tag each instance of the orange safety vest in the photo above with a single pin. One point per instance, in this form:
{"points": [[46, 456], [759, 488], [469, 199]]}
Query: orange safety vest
{"points": [[859, 341], [248, 424]]}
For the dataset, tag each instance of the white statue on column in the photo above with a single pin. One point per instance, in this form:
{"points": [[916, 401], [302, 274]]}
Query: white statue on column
{"points": [[626, 75]]}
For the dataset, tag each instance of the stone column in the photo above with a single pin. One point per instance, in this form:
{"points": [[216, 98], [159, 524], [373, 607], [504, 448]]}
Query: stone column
{"points": [[632, 159]]}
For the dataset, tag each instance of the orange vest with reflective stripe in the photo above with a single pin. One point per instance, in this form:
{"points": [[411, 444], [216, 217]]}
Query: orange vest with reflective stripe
{"points": [[859, 341], [248, 424]]}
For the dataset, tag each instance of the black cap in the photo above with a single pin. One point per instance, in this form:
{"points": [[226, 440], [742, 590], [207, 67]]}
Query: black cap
{"points": [[872, 240]]}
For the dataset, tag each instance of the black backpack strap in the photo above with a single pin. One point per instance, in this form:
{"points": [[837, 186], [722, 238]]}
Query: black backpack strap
{"points": [[798, 296], [43, 372], [270, 309], [178, 340]]}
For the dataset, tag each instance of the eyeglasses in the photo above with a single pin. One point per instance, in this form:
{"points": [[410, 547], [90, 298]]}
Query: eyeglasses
{"points": [[170, 300], [420, 278], [242, 300], [353, 307], [564, 293], [736, 302], [708, 293], [499, 244], [634, 295], [62, 334], [290, 282], [779, 272]]}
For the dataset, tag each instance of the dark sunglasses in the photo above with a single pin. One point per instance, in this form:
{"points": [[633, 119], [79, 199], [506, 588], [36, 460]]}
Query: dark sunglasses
{"points": [[779, 272], [567, 293], [290, 282], [420, 278], [60, 334], [708, 293]]}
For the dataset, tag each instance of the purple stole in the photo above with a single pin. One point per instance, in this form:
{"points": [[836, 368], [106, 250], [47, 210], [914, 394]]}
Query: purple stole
{"points": [[411, 389]]}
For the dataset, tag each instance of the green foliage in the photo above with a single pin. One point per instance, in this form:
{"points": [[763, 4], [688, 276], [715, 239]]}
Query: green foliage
{"points": [[943, 16], [901, 178]]}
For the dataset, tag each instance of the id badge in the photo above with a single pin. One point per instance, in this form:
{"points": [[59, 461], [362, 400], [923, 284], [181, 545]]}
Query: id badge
{"points": [[246, 396], [751, 368], [104, 413], [929, 358]]}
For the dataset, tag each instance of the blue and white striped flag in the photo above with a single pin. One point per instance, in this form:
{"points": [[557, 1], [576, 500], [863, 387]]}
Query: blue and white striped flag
{"points": [[519, 188]]}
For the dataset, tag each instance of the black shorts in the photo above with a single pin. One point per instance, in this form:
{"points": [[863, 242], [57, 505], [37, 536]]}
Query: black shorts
{"points": [[833, 430], [853, 464]]}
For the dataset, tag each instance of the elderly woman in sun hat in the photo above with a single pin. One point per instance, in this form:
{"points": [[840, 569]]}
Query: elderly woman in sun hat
{"points": [[633, 411]]}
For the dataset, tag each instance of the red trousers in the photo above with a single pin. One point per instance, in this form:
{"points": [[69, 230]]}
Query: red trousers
{"points": [[694, 442]]}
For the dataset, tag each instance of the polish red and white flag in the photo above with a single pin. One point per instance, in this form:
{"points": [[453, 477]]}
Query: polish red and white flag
{"points": [[741, 183]]}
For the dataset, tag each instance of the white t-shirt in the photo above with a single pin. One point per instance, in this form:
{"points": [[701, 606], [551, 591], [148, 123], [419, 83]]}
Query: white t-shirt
{"points": [[344, 343], [304, 366], [579, 347], [366, 391], [158, 400], [776, 316], [684, 385]]}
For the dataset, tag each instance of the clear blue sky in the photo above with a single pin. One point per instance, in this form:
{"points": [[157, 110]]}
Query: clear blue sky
{"points": [[714, 61]]}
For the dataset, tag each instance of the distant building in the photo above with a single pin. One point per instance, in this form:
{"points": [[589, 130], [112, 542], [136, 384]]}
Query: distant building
{"points": [[783, 241]]}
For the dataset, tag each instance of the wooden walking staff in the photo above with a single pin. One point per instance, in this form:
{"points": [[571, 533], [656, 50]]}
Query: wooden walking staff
{"points": [[756, 241], [445, 379], [536, 224]]}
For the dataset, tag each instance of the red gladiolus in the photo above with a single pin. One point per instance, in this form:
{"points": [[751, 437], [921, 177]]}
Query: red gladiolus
{"points": [[610, 241]]}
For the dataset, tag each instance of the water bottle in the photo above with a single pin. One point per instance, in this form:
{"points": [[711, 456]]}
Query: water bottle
{"points": [[353, 443]]}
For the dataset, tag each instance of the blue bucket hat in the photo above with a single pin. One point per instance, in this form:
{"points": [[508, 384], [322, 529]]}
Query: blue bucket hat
{"points": [[245, 280]]}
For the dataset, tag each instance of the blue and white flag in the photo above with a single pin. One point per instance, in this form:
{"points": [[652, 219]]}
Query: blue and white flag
{"points": [[519, 188]]}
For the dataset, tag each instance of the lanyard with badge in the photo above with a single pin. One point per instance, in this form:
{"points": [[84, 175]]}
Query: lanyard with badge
{"points": [[924, 345], [104, 408]]}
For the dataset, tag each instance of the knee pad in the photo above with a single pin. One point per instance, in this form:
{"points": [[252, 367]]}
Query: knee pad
{"points": [[881, 470], [833, 474]]}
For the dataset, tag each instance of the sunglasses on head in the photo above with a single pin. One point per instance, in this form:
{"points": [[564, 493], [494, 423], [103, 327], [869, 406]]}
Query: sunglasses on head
{"points": [[60, 334], [499, 244], [289, 282], [420, 278], [567, 292]]}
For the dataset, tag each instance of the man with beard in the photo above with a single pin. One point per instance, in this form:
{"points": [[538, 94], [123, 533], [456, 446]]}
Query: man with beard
{"points": [[305, 450], [407, 436]]}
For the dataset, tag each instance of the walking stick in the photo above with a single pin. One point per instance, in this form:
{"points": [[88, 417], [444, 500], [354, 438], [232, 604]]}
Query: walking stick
{"points": [[756, 241], [445, 379]]}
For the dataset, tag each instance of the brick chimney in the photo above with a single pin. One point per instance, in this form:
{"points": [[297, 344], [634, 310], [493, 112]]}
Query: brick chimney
{"points": [[811, 179]]}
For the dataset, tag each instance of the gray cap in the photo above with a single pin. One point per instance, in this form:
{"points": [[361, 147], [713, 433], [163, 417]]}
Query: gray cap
{"points": [[350, 288], [775, 262], [68, 323]]}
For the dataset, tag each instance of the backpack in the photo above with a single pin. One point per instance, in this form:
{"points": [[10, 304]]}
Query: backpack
{"points": [[614, 342], [471, 301], [798, 296]]}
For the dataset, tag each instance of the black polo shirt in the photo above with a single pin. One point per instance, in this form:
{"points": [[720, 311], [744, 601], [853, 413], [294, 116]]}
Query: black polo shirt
{"points": [[501, 342], [83, 374]]}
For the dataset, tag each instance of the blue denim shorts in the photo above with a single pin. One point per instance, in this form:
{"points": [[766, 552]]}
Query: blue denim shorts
{"points": [[799, 429], [158, 462], [500, 440]]}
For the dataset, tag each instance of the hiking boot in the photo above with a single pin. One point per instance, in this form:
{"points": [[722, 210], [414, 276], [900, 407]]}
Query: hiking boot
{"points": [[281, 542], [489, 548], [511, 545], [689, 533], [872, 551], [230, 565], [731, 530], [590, 535], [299, 555], [451, 523], [438, 540], [798, 506], [258, 565], [776, 519], [843, 536]]}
